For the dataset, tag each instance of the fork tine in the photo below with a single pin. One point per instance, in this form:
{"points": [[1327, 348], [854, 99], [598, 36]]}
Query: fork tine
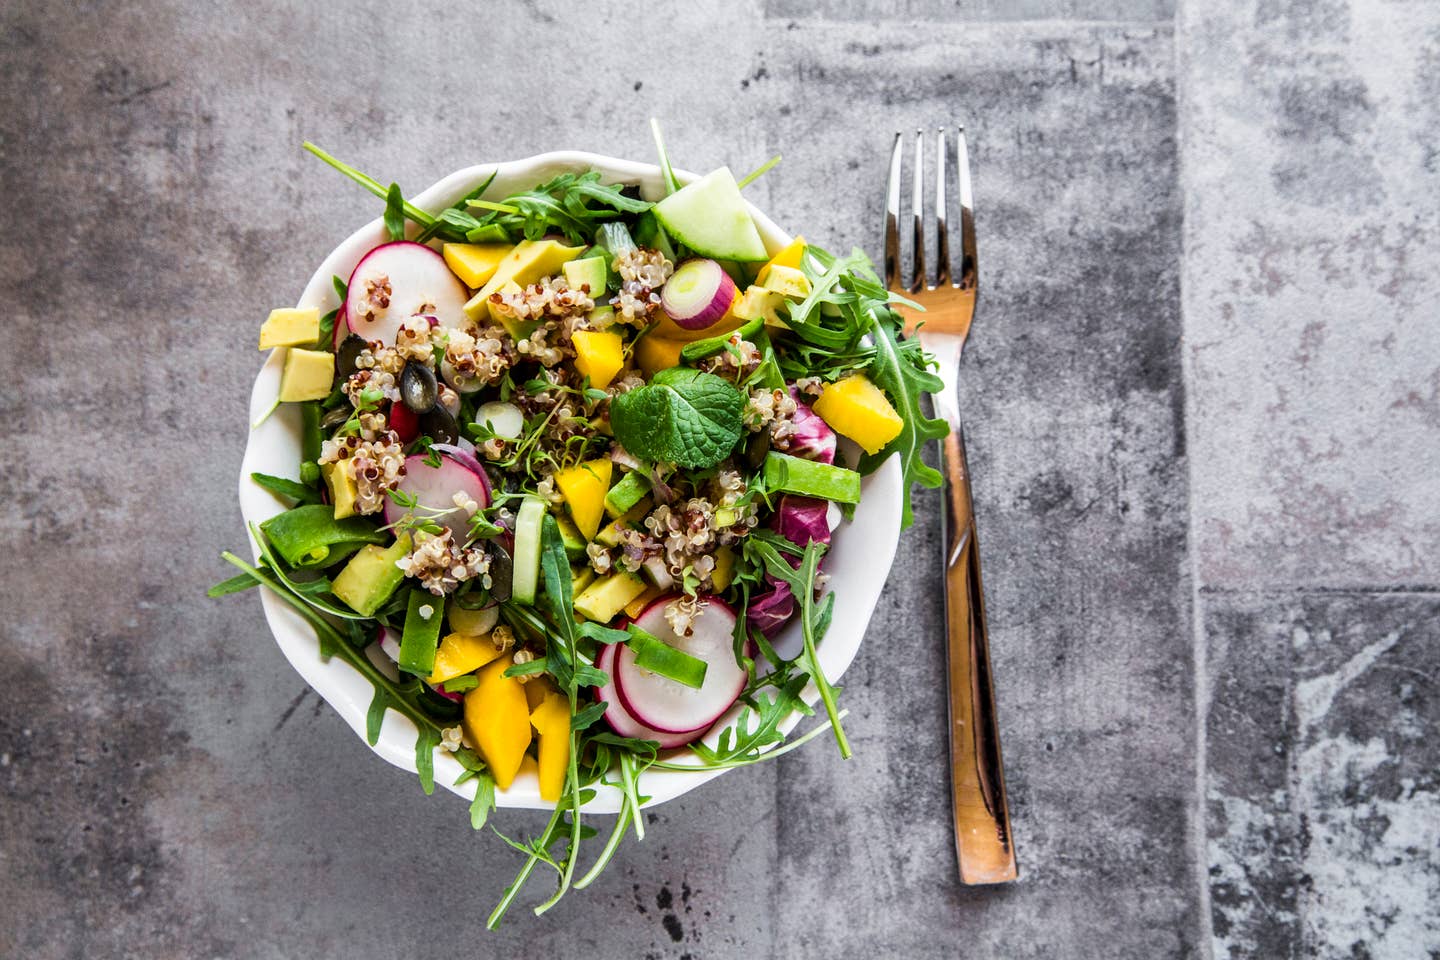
{"points": [[968, 262], [942, 244], [892, 220], [917, 203]]}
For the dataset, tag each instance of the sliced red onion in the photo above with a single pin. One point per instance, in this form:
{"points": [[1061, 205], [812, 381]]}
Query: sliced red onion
{"points": [[698, 294]]}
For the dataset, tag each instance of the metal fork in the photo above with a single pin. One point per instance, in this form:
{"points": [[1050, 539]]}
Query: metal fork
{"points": [[983, 843]]}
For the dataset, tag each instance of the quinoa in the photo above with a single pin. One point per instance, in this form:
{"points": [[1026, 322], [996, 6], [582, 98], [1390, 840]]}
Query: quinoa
{"points": [[378, 466], [441, 565], [681, 613], [643, 272], [478, 357], [376, 298], [413, 341], [766, 407], [551, 297], [740, 359]]}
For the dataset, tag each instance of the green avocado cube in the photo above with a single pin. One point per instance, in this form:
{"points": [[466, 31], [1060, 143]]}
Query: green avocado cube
{"points": [[307, 375], [371, 576], [587, 274], [607, 596], [624, 495]]}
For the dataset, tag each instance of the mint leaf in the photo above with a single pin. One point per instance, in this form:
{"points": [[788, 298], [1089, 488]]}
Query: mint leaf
{"points": [[682, 416]]}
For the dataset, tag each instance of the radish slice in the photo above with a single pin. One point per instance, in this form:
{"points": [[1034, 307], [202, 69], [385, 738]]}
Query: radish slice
{"points": [[434, 490], [621, 720], [504, 419], [389, 642], [698, 294], [396, 281], [671, 707], [465, 456]]}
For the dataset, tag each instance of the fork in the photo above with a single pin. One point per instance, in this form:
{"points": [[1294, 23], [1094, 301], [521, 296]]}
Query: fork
{"points": [[983, 844]]}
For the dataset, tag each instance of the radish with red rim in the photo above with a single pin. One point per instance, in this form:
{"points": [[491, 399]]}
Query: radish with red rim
{"points": [[671, 707], [434, 490], [621, 720], [397, 281], [698, 294]]}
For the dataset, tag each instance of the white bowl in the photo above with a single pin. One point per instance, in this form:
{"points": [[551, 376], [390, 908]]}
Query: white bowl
{"points": [[858, 563]]}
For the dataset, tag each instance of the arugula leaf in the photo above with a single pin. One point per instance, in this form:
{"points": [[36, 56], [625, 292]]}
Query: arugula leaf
{"points": [[286, 488], [395, 213], [425, 745], [682, 416], [484, 800], [236, 584], [900, 370]]}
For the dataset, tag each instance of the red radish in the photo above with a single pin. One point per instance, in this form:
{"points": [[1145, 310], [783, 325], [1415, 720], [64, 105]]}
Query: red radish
{"points": [[441, 691], [698, 294], [389, 642], [672, 707], [342, 329], [434, 490], [404, 422], [621, 720], [397, 281], [466, 458]]}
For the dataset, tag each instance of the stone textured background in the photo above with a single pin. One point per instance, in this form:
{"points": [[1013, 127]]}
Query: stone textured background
{"points": [[1204, 399]]}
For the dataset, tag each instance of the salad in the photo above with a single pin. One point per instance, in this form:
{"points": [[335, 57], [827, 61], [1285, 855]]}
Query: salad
{"points": [[570, 462]]}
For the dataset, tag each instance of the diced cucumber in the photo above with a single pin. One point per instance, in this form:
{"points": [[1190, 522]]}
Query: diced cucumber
{"points": [[614, 236], [710, 217], [810, 478], [525, 564], [421, 636], [625, 494]]}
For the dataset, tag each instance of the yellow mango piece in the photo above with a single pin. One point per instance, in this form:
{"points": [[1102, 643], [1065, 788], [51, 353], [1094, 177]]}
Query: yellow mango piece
{"points": [[786, 281], [584, 487], [458, 655], [527, 262], [789, 256], [856, 408], [475, 263], [551, 720], [497, 720], [537, 688], [290, 327], [599, 355], [637, 606], [340, 478], [654, 353], [724, 573], [307, 375]]}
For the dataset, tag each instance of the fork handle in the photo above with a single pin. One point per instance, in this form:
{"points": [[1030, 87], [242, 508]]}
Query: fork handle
{"points": [[983, 842]]}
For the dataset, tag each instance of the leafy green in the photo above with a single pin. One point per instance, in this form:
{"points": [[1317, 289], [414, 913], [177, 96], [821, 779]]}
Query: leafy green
{"points": [[571, 204], [900, 369], [289, 489], [682, 416], [395, 213]]}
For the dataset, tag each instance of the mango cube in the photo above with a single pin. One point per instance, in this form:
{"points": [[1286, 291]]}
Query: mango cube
{"points": [[856, 408], [497, 720], [789, 256], [551, 720], [584, 487], [459, 654], [290, 327], [599, 355], [475, 263], [655, 353]]}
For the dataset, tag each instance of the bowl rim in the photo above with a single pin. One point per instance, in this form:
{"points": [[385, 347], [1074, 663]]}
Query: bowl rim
{"points": [[872, 535]]}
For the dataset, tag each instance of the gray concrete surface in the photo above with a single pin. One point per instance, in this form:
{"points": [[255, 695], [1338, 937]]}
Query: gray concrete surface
{"points": [[1203, 396]]}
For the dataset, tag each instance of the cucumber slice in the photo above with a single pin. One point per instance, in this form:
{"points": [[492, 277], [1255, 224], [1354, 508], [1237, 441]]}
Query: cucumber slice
{"points": [[525, 565], [710, 217]]}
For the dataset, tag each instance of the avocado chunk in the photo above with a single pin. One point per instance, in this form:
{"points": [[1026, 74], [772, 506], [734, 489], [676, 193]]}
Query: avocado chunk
{"points": [[609, 534], [290, 327], [570, 536], [340, 478], [580, 578], [530, 261], [307, 375], [607, 596], [624, 495], [587, 274], [371, 576]]}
